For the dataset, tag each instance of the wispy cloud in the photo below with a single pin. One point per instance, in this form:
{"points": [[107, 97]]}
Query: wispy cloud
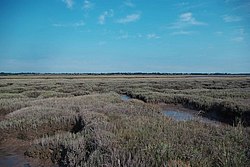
{"points": [[69, 3], [125, 35], [129, 3], [230, 18], [228, 1], [241, 31], [153, 36], [182, 32], [189, 19], [104, 15], [238, 39], [87, 5], [239, 35], [74, 25], [129, 18], [181, 4], [186, 19], [186, 6], [244, 5], [219, 33]]}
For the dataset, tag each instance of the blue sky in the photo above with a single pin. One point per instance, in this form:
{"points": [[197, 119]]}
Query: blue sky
{"points": [[125, 36]]}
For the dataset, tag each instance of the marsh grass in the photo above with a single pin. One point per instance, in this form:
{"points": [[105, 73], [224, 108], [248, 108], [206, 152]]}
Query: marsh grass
{"points": [[84, 122]]}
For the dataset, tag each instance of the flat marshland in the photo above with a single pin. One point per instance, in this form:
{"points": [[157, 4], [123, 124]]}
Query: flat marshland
{"points": [[81, 120]]}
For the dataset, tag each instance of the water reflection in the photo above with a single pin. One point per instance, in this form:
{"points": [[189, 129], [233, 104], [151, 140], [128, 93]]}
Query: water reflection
{"points": [[179, 116], [11, 160], [125, 97], [186, 116]]}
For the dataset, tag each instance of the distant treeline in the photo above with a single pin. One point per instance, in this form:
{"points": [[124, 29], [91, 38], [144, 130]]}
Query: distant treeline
{"points": [[119, 73]]}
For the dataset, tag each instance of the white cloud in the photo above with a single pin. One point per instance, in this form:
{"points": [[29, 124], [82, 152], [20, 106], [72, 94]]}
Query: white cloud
{"points": [[182, 4], [75, 25], [239, 35], [219, 33], [182, 32], [88, 5], [186, 6], [152, 36], [186, 19], [102, 17], [78, 24], [129, 18], [189, 19], [125, 35], [229, 18], [128, 3], [244, 5], [238, 39], [69, 3], [241, 31]]}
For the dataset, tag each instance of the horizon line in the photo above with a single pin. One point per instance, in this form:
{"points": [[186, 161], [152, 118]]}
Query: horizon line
{"points": [[123, 73]]}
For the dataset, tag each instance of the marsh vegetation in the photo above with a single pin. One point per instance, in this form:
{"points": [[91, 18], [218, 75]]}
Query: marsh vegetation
{"points": [[84, 121]]}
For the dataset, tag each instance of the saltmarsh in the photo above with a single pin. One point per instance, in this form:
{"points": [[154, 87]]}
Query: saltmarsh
{"points": [[82, 120]]}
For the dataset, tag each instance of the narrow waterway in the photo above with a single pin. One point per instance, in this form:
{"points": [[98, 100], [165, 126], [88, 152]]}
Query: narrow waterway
{"points": [[125, 97], [12, 160], [181, 114], [187, 116]]}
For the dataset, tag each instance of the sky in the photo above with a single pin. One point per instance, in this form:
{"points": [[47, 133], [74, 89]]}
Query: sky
{"points": [[125, 36]]}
